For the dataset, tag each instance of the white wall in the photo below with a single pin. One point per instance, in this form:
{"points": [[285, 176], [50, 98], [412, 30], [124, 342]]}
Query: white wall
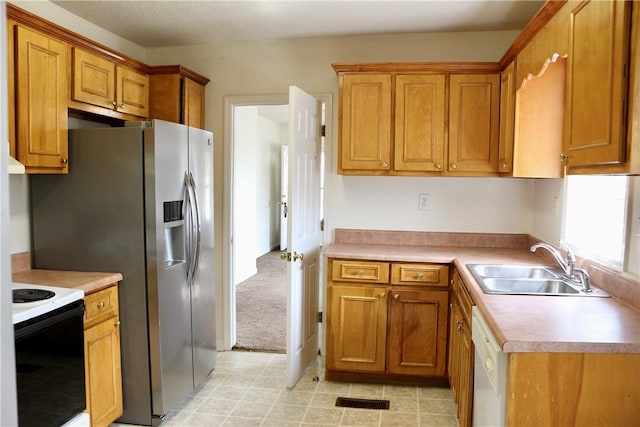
{"points": [[268, 147], [244, 203]]}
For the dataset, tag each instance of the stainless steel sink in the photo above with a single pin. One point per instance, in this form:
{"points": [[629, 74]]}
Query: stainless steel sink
{"points": [[530, 286], [515, 271], [527, 280]]}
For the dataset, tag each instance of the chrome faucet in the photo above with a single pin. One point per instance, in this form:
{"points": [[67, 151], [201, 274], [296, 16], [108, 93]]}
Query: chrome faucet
{"points": [[568, 265]]}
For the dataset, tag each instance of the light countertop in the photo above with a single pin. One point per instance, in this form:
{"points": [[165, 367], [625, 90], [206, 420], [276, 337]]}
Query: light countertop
{"points": [[89, 282]]}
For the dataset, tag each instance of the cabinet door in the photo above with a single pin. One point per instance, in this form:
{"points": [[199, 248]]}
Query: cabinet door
{"points": [[93, 79], [365, 124], [597, 83], [41, 98], [103, 372], [465, 383], [507, 118], [132, 92], [193, 104], [474, 107], [418, 332], [357, 327], [419, 123]]}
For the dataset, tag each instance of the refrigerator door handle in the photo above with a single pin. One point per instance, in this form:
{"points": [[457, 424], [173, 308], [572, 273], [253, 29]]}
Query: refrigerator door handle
{"points": [[197, 227], [189, 234]]}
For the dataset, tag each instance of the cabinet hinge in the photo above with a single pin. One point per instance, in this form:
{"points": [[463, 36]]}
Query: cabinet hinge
{"points": [[322, 225], [319, 317], [323, 130]]}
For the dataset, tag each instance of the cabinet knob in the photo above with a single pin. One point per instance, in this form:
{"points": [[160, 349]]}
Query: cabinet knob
{"points": [[64, 160], [122, 106], [101, 304], [563, 157], [360, 273], [117, 323], [419, 276], [382, 294], [453, 166], [396, 296], [505, 165], [438, 165], [114, 103], [385, 165]]}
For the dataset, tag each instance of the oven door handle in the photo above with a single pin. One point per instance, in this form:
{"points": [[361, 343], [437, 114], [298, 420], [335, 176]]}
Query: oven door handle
{"points": [[31, 326]]}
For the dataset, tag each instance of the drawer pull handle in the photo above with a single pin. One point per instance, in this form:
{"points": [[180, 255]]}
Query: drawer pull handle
{"points": [[360, 273], [101, 304], [419, 276]]}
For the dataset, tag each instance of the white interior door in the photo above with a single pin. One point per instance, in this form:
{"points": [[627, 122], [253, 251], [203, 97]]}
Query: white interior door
{"points": [[284, 195], [304, 232]]}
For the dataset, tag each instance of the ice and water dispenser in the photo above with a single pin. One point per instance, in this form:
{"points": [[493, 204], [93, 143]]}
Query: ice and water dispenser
{"points": [[174, 242]]}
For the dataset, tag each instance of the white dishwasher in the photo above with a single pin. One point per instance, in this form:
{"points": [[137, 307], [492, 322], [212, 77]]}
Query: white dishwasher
{"points": [[490, 371]]}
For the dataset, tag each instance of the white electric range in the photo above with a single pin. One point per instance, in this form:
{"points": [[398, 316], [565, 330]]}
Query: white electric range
{"points": [[26, 310]]}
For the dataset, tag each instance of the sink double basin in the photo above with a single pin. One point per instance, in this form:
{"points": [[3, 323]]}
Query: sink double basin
{"points": [[527, 280]]}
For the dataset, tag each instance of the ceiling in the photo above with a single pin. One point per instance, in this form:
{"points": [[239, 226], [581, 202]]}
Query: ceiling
{"points": [[153, 23]]}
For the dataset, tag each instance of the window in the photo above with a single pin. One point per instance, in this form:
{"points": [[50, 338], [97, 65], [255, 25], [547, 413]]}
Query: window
{"points": [[595, 217]]}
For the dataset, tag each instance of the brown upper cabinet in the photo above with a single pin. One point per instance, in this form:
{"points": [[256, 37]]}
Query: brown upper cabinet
{"points": [[177, 95], [103, 83], [394, 119], [474, 120], [597, 84], [40, 95]]}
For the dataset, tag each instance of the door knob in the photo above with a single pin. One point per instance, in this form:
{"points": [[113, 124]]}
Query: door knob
{"points": [[298, 256], [285, 256]]}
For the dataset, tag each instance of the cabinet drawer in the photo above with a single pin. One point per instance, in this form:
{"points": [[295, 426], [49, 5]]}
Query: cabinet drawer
{"points": [[420, 274], [100, 304], [360, 271]]}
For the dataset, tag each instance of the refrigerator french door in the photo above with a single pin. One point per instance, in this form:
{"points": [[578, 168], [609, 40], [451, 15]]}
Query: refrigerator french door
{"points": [[139, 200]]}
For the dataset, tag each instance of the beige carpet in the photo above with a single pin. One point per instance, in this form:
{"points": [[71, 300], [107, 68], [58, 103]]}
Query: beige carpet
{"points": [[261, 306]]}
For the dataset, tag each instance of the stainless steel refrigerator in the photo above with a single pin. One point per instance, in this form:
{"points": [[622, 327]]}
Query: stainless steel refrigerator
{"points": [[139, 200]]}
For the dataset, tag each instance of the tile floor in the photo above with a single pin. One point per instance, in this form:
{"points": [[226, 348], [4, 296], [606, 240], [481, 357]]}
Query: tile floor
{"points": [[248, 389]]}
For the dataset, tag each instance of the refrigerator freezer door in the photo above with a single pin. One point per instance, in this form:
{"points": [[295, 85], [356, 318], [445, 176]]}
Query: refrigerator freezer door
{"points": [[202, 289], [93, 220], [166, 151]]}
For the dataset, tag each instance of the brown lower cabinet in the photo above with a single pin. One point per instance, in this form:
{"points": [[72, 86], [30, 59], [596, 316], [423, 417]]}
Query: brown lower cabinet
{"points": [[461, 351], [386, 319], [103, 376]]}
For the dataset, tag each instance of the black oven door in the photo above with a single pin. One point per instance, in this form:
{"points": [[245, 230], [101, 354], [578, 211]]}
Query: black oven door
{"points": [[50, 367]]}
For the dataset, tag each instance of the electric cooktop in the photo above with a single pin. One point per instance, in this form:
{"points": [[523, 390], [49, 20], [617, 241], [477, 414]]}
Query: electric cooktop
{"points": [[31, 300]]}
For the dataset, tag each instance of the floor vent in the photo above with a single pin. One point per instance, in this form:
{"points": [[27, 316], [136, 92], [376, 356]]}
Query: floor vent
{"points": [[350, 402]]}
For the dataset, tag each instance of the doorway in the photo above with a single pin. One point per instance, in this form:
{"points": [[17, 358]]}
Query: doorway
{"points": [[254, 244], [259, 210]]}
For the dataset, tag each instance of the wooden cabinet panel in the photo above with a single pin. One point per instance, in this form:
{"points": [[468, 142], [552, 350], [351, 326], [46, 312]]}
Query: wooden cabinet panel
{"points": [[474, 106], [365, 123], [193, 104], [419, 123], [597, 82], [507, 118], [177, 94], [360, 271], [132, 92], [93, 79], [105, 84], [41, 101], [420, 274], [418, 332], [357, 328], [596, 389], [103, 372], [461, 351]]}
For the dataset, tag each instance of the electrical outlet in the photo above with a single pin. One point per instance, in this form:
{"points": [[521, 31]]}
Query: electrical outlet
{"points": [[424, 201]]}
